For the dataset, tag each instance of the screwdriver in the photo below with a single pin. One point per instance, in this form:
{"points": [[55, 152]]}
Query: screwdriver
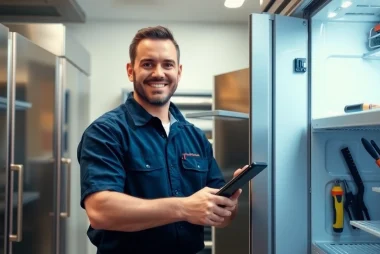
{"points": [[337, 199]]}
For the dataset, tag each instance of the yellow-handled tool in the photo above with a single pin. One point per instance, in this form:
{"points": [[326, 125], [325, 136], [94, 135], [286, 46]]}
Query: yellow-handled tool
{"points": [[337, 199]]}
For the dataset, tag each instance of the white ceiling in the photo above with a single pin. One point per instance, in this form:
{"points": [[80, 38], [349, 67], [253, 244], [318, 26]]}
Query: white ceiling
{"points": [[168, 10]]}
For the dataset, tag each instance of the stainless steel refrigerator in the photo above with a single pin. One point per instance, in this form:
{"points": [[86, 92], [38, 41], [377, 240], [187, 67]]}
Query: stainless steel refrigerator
{"points": [[258, 118], [43, 90], [304, 71]]}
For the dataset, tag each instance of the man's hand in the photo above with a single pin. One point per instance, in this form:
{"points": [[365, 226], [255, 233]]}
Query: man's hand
{"points": [[234, 198], [204, 207]]}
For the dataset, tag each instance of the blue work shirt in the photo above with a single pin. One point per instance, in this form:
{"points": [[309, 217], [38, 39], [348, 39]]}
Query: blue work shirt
{"points": [[127, 150]]}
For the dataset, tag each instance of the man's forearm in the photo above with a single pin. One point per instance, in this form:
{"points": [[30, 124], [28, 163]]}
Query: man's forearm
{"points": [[121, 212]]}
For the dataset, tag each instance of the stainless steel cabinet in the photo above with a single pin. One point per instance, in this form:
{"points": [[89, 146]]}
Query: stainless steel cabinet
{"points": [[42, 94], [28, 93]]}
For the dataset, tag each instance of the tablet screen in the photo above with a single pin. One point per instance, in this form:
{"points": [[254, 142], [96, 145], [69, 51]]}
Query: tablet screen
{"points": [[239, 181]]}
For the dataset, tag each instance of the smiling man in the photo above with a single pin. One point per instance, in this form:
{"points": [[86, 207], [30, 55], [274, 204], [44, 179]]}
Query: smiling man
{"points": [[148, 177]]}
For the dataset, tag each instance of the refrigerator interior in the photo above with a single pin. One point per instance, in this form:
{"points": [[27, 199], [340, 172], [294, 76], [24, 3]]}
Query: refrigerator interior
{"points": [[344, 71]]}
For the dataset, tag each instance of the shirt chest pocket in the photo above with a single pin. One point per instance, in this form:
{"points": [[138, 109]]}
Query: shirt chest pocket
{"points": [[194, 171], [146, 164], [146, 176]]}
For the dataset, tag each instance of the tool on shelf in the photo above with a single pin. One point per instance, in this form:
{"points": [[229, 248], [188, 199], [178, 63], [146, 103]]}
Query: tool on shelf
{"points": [[374, 37], [373, 143], [337, 200], [371, 150], [360, 107], [348, 201], [358, 207]]}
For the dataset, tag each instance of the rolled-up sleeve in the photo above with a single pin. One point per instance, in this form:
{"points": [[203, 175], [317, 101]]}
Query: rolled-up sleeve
{"points": [[100, 155], [215, 177]]}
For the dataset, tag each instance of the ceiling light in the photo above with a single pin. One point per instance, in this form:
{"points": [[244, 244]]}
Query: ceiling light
{"points": [[346, 4], [332, 14], [233, 3]]}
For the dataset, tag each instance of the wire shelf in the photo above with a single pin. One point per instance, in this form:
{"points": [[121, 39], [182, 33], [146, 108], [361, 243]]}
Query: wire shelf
{"points": [[371, 227], [348, 248]]}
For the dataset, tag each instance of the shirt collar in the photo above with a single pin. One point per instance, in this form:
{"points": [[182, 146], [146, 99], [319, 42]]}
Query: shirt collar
{"points": [[141, 117]]}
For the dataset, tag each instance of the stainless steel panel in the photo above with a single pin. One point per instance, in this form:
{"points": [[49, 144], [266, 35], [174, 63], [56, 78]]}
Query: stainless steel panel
{"points": [[60, 79], [33, 146], [4, 168], [56, 39], [290, 129], [231, 91], [261, 227], [219, 114], [76, 53], [75, 117], [83, 122], [42, 11], [231, 148]]}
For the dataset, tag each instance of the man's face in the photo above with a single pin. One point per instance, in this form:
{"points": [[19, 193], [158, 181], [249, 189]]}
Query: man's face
{"points": [[156, 72]]}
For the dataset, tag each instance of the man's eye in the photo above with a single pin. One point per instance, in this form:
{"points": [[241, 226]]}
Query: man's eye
{"points": [[147, 65], [169, 65]]}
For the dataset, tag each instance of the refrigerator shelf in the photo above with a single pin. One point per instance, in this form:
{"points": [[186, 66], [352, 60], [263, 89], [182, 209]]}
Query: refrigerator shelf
{"points": [[373, 55], [365, 120], [218, 114], [20, 105], [346, 248], [371, 227], [28, 197]]}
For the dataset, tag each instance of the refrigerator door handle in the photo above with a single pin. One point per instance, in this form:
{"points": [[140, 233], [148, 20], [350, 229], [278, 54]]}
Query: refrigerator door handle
{"points": [[20, 169], [68, 188]]}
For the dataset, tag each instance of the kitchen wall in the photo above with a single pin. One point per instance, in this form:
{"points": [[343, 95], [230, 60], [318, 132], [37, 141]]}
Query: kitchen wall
{"points": [[206, 50]]}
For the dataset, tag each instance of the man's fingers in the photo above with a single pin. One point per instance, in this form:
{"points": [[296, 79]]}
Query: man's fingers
{"points": [[223, 212], [214, 217], [223, 201], [211, 190], [236, 195], [212, 223]]}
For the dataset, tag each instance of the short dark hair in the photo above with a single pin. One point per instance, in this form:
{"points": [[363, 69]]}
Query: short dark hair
{"points": [[155, 33]]}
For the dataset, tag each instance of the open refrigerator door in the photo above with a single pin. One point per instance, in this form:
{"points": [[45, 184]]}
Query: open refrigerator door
{"points": [[345, 73]]}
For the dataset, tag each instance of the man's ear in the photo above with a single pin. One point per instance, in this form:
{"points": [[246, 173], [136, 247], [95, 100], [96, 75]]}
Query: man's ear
{"points": [[130, 71], [179, 72]]}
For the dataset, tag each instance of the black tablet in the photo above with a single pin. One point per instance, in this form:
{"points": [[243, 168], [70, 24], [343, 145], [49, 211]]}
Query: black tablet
{"points": [[239, 181]]}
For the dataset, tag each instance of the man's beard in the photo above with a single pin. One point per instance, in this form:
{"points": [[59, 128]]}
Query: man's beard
{"points": [[139, 88]]}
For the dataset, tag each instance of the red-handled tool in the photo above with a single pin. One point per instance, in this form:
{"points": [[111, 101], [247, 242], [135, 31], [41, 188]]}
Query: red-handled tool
{"points": [[371, 151]]}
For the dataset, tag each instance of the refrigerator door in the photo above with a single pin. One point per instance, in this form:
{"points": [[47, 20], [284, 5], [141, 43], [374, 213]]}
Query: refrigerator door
{"points": [[291, 134], [3, 144], [261, 227], [75, 120], [279, 134], [32, 153]]}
